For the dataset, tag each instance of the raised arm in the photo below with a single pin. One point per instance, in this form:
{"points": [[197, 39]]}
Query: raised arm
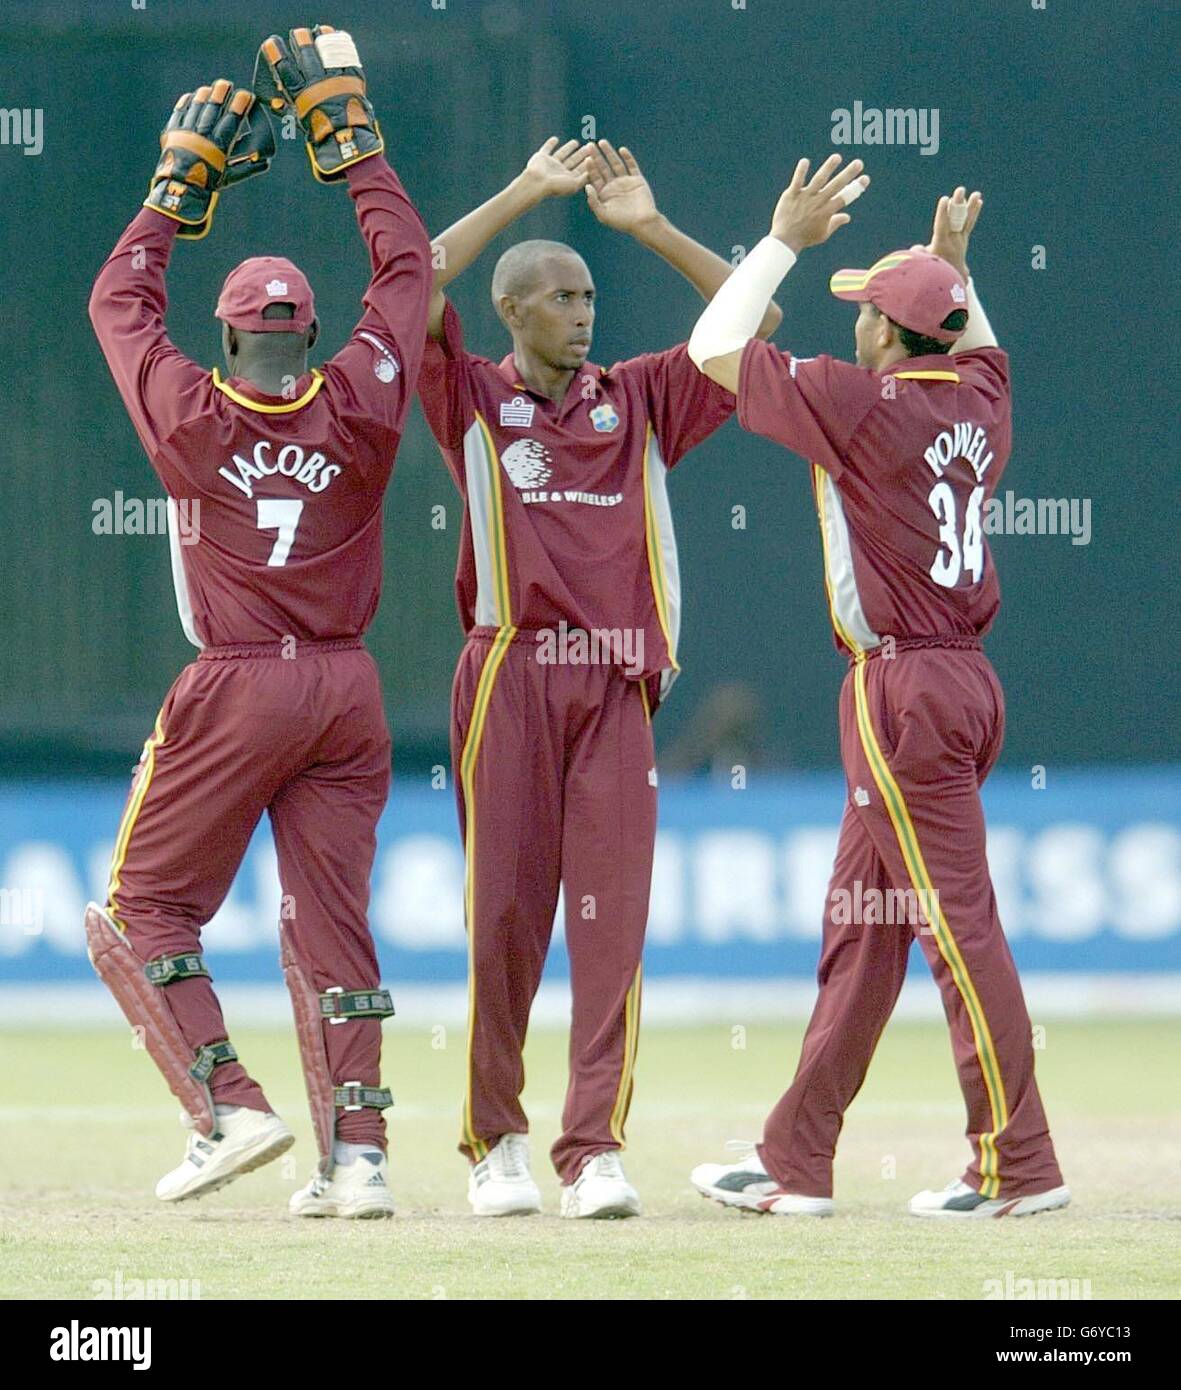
{"points": [[554, 171], [316, 76], [808, 212], [620, 197], [203, 149], [955, 217]]}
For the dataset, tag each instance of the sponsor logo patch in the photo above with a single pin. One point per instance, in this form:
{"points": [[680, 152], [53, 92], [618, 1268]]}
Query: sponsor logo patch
{"points": [[527, 462], [275, 287], [518, 411]]}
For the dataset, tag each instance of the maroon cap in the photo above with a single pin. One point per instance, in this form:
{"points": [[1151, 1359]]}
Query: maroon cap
{"points": [[914, 288], [264, 280]]}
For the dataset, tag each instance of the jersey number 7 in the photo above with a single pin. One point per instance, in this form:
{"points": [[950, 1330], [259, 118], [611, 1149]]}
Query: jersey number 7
{"points": [[280, 513]]}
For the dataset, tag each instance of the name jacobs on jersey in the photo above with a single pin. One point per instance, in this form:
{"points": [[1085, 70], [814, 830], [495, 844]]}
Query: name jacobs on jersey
{"points": [[291, 461]]}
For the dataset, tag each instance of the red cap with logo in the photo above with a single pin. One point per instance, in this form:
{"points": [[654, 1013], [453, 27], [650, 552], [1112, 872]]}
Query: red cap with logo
{"points": [[264, 280], [914, 288]]}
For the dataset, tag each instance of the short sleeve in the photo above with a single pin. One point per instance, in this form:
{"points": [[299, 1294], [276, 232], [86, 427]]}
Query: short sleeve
{"points": [[444, 384], [684, 405], [811, 405]]}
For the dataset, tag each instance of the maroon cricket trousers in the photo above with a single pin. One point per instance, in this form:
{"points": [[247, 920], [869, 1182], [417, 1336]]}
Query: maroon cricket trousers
{"points": [[242, 731], [919, 734], [555, 784]]}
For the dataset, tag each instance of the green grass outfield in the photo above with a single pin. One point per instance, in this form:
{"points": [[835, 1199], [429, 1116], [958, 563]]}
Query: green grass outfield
{"points": [[86, 1127]]}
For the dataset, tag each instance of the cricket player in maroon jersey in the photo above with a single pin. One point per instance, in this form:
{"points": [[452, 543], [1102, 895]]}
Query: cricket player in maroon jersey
{"points": [[281, 471], [569, 593], [906, 448]]}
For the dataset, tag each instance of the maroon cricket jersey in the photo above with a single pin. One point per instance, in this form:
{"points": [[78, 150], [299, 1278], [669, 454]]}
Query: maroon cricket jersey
{"points": [[566, 509], [281, 498], [903, 464]]}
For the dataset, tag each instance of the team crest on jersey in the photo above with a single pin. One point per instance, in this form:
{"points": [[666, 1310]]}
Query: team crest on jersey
{"points": [[604, 417], [385, 367], [518, 411], [527, 462]]}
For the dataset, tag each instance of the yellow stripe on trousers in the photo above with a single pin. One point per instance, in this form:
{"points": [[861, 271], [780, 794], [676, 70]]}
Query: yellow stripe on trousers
{"points": [[130, 815], [912, 854], [467, 768], [631, 1042]]}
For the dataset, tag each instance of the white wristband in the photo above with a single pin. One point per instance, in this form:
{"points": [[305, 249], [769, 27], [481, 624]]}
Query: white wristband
{"points": [[979, 332], [733, 315]]}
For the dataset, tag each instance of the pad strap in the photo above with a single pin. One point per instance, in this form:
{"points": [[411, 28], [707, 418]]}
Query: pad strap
{"points": [[165, 969], [354, 1096], [210, 1056], [339, 1005]]}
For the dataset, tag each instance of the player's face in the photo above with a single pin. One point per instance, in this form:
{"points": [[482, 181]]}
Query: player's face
{"points": [[556, 319], [867, 334]]}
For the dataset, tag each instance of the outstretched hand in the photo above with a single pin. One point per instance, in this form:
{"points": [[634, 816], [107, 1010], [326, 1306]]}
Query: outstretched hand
{"points": [[810, 210], [955, 218], [556, 171], [618, 193]]}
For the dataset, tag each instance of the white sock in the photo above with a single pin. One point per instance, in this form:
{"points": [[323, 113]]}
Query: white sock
{"points": [[345, 1153]]}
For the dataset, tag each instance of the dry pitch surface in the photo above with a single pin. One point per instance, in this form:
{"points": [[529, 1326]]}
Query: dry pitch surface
{"points": [[86, 1127]]}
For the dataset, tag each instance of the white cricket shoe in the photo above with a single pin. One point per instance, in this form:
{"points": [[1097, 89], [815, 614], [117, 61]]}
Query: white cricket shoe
{"points": [[501, 1184], [357, 1190], [746, 1184], [959, 1201], [601, 1191], [243, 1140]]}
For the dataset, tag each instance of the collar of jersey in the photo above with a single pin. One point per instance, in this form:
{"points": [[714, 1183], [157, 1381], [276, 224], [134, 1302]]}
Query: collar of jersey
{"points": [[264, 405], [508, 370], [923, 373]]}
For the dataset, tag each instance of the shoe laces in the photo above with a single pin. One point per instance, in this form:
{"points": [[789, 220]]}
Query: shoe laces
{"points": [[607, 1165], [509, 1160]]}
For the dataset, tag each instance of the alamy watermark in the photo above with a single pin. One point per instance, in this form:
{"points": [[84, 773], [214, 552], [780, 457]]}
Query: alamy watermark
{"points": [[23, 126], [1011, 515], [883, 907], [596, 646], [23, 909], [1011, 1287], [895, 125], [146, 516]]}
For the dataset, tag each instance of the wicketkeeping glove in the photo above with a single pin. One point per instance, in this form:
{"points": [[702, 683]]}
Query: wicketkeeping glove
{"points": [[208, 144], [319, 76]]}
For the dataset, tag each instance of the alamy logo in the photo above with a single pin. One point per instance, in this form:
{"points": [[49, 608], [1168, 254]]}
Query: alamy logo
{"points": [[527, 462], [869, 125], [77, 1343], [23, 126]]}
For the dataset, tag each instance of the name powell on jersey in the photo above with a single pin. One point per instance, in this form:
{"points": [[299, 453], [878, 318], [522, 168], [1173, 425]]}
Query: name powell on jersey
{"points": [[527, 462], [291, 461]]}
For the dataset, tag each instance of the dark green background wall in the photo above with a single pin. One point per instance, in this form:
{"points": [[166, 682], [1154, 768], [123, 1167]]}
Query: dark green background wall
{"points": [[1057, 114]]}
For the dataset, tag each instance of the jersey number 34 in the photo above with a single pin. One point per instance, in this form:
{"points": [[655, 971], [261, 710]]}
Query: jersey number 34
{"points": [[954, 556]]}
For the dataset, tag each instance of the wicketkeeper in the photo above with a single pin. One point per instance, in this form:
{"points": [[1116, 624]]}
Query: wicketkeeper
{"points": [[284, 470]]}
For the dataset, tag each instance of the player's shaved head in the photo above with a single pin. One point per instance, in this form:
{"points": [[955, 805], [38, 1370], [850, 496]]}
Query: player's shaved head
{"points": [[519, 269], [544, 295]]}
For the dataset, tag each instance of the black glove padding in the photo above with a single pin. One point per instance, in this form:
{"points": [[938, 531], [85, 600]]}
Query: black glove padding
{"points": [[318, 75]]}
